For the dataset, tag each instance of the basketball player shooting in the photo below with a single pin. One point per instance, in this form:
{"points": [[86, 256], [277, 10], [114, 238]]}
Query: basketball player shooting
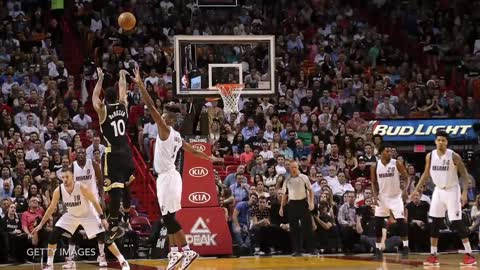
{"points": [[169, 181], [118, 165], [386, 183], [443, 165], [79, 201]]}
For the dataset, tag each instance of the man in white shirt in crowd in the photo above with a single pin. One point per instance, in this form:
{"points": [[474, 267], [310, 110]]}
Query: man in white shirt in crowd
{"points": [[21, 117], [385, 109], [66, 134], [95, 145], [81, 120], [29, 128], [61, 143], [150, 132], [34, 154], [341, 186]]}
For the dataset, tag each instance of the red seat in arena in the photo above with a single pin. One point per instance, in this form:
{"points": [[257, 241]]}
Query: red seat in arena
{"points": [[230, 160], [135, 113], [141, 225], [219, 168]]}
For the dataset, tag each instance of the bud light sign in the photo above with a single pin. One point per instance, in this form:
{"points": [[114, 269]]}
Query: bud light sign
{"points": [[423, 130]]}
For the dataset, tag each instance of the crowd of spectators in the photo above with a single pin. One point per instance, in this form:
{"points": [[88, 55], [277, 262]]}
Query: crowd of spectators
{"points": [[337, 70]]}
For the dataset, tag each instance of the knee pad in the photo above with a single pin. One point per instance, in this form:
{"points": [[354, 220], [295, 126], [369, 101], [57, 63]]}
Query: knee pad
{"points": [[435, 227], [379, 224], [402, 227], [460, 228], [171, 223], [56, 234]]}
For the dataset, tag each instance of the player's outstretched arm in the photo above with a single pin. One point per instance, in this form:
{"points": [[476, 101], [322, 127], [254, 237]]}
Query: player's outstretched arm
{"points": [[50, 210], [425, 174], [188, 147], [97, 103], [122, 87], [373, 175], [163, 129], [464, 174], [403, 172], [91, 198]]}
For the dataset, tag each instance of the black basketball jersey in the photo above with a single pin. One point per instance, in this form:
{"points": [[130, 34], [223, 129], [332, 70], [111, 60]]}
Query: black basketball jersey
{"points": [[114, 127]]}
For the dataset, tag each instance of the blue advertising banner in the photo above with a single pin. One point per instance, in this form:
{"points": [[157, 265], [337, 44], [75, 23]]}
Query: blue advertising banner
{"points": [[414, 130]]}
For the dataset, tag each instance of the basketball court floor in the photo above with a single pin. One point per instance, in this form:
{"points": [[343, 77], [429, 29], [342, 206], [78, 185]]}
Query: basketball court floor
{"points": [[358, 262]]}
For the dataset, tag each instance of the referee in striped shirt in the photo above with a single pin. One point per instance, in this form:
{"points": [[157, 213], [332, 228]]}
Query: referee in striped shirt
{"points": [[298, 189]]}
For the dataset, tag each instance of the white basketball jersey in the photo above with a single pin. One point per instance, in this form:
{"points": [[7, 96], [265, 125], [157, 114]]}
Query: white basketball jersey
{"points": [[77, 205], [388, 178], [166, 151], [443, 170], [86, 175]]}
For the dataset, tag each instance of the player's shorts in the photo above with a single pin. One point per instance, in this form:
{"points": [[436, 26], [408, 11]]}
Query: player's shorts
{"points": [[91, 224], [387, 204], [117, 168], [446, 200], [169, 191]]}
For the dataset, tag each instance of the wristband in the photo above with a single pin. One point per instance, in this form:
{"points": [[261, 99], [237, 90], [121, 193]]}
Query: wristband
{"points": [[102, 216]]}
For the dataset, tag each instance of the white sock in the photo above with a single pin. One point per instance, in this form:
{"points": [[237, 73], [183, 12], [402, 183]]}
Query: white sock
{"points": [[174, 249], [101, 249], [433, 250], [405, 243], [71, 251], [378, 245], [257, 249], [468, 248], [50, 260], [186, 248], [120, 258]]}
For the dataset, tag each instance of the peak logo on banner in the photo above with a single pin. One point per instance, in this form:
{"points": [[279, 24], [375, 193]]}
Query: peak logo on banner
{"points": [[198, 172], [199, 147], [200, 234], [199, 197]]}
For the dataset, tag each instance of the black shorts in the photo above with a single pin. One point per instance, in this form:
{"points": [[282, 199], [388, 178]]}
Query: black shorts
{"points": [[118, 167]]}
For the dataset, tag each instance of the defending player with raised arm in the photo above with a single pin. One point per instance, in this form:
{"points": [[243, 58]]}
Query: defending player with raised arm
{"points": [[163, 127], [169, 180], [443, 166]]}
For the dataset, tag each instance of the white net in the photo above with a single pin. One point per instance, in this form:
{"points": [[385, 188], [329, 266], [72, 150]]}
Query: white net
{"points": [[230, 94]]}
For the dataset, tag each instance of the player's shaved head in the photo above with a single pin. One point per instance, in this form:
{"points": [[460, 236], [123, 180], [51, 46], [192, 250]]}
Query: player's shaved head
{"points": [[169, 117]]}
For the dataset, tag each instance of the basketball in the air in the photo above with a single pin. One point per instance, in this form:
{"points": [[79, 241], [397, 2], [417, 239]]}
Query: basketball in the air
{"points": [[127, 21]]}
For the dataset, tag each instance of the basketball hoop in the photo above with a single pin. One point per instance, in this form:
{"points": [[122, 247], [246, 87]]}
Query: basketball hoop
{"points": [[230, 94]]}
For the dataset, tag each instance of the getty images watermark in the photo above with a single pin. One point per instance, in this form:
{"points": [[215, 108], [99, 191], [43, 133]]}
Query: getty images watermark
{"points": [[62, 252]]}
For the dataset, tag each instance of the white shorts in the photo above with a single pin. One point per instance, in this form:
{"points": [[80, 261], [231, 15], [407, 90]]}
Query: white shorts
{"points": [[446, 200], [385, 204], [91, 224], [169, 192]]}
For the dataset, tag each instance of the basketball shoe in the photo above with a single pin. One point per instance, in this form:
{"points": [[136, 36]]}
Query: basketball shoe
{"points": [[432, 260], [468, 260], [174, 258], [188, 258]]}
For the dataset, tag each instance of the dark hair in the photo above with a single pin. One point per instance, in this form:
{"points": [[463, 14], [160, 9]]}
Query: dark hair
{"points": [[382, 148], [441, 133], [262, 198], [110, 95]]}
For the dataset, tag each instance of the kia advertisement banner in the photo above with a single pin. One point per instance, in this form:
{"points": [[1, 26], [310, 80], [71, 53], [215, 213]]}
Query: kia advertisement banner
{"points": [[206, 230], [412, 130], [199, 188]]}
